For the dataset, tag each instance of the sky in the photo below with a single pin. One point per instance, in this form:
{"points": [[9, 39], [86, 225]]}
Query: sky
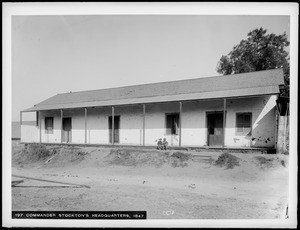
{"points": [[56, 54]]}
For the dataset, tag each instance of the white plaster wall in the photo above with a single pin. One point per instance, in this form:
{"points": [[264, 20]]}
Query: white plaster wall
{"points": [[156, 122], [97, 125], [194, 128], [194, 132], [78, 132], [131, 124], [54, 137], [78, 124], [263, 122], [29, 133]]}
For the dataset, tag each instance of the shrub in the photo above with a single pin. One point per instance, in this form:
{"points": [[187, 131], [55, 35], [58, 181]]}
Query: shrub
{"points": [[179, 159], [228, 160], [81, 153], [264, 162], [286, 152], [37, 152], [181, 156]]}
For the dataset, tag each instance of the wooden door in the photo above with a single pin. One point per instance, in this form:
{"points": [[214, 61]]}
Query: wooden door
{"points": [[215, 129], [116, 129], [67, 129]]}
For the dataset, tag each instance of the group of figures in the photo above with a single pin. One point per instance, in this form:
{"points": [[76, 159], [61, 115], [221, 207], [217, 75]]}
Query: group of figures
{"points": [[162, 144]]}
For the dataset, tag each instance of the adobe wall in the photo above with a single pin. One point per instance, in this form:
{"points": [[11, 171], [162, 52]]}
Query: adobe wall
{"points": [[194, 127]]}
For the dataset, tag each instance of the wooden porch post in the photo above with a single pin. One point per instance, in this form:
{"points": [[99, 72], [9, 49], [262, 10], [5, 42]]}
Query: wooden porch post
{"points": [[144, 115], [180, 122], [40, 122], [112, 125], [61, 125], [20, 117], [21, 125], [85, 125], [224, 120]]}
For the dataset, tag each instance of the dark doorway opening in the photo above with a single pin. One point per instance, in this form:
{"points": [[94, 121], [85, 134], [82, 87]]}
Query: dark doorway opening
{"points": [[215, 132], [67, 129], [172, 123], [116, 129]]}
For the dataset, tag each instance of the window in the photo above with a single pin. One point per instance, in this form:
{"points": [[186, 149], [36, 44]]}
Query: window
{"points": [[243, 124], [49, 124], [172, 123]]}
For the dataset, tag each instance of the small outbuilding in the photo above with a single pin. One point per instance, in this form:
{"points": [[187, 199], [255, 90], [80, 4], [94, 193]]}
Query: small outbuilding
{"points": [[224, 111]]}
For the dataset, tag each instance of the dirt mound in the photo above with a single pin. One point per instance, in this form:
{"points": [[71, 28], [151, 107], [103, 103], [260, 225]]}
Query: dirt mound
{"points": [[66, 156], [228, 160], [39, 155], [47, 155], [180, 159], [265, 162], [132, 157], [31, 154]]}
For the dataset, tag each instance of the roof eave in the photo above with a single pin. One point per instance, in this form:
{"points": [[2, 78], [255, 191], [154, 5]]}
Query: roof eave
{"points": [[171, 98]]}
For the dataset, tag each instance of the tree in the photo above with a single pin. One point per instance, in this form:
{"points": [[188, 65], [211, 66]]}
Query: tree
{"points": [[260, 51]]}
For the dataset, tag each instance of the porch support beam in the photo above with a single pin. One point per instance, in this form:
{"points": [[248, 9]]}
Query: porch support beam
{"points": [[61, 125], [85, 125], [20, 117], [144, 120], [112, 124], [224, 120], [40, 123], [180, 122]]}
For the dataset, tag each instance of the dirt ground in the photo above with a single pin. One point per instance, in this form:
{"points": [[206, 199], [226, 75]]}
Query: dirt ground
{"points": [[168, 184]]}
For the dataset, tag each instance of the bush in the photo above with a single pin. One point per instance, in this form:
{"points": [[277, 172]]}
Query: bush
{"points": [[37, 152], [264, 162], [181, 156], [228, 160], [179, 159], [81, 153], [286, 152]]}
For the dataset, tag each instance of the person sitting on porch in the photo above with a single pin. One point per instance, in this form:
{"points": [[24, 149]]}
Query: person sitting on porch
{"points": [[165, 144], [160, 144]]}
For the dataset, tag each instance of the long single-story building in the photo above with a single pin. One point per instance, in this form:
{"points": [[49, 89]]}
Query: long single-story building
{"points": [[224, 111]]}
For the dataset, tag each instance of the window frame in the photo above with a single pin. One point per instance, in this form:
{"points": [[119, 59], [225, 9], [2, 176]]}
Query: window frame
{"points": [[243, 133], [47, 130], [166, 124]]}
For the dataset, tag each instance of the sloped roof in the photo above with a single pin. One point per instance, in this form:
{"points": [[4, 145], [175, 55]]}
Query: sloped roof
{"points": [[237, 85]]}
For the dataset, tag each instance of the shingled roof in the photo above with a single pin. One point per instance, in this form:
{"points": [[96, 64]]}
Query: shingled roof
{"points": [[238, 85]]}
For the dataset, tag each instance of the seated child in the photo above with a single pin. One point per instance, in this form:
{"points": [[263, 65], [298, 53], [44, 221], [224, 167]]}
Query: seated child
{"points": [[159, 144], [165, 144]]}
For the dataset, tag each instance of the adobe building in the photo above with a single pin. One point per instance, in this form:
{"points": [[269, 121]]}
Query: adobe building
{"points": [[237, 111]]}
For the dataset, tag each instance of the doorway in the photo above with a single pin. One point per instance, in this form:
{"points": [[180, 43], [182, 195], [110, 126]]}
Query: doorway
{"points": [[67, 129], [172, 127], [215, 132], [116, 128]]}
